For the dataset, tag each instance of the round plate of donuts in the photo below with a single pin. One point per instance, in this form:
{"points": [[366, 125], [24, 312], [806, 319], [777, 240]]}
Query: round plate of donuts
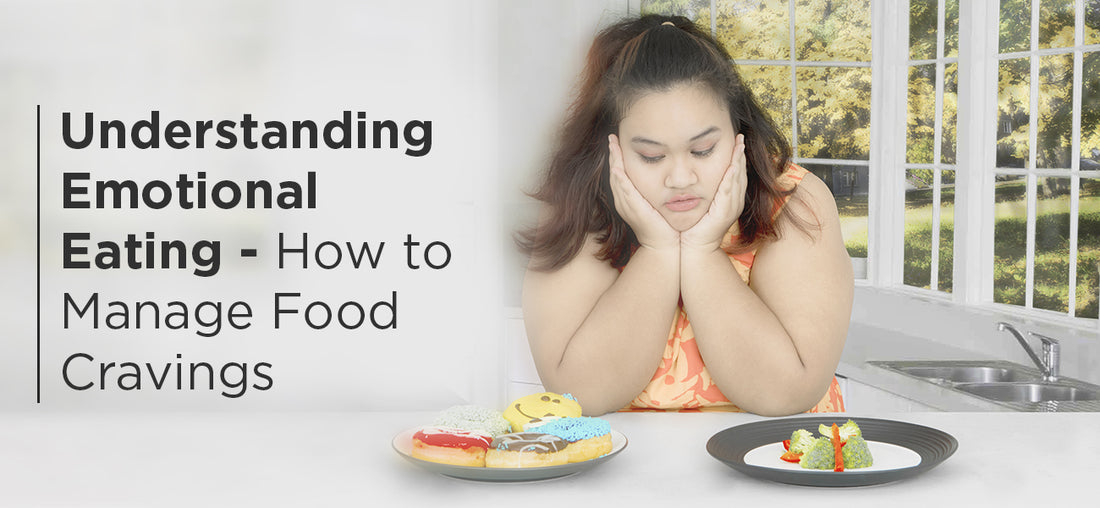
{"points": [[538, 437]]}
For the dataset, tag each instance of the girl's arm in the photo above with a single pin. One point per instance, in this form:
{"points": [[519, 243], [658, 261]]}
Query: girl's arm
{"points": [[597, 333], [772, 346]]}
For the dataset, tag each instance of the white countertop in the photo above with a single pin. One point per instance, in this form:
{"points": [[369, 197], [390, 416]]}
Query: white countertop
{"points": [[346, 459], [868, 343]]}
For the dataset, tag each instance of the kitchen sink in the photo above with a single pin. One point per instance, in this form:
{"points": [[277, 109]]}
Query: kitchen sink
{"points": [[1029, 392], [968, 373], [1005, 383]]}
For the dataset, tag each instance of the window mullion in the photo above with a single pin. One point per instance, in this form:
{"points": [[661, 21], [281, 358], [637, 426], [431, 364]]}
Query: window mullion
{"points": [[714, 18], [976, 154], [1074, 209], [1075, 147], [1032, 150], [886, 199], [937, 148], [794, 79], [1032, 201]]}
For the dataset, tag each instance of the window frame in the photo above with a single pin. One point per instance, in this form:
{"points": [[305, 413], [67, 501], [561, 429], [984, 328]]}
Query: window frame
{"points": [[975, 162], [793, 64], [888, 253], [940, 62], [1032, 172]]}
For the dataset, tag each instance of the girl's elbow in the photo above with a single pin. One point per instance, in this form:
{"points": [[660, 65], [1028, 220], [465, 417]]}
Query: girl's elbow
{"points": [[594, 397], [780, 407], [593, 402], [788, 400]]}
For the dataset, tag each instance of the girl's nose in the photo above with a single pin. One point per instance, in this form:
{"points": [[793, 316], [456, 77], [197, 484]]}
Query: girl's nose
{"points": [[681, 175]]}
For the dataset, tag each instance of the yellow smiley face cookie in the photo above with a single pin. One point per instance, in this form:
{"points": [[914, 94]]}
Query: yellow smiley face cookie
{"points": [[534, 408]]}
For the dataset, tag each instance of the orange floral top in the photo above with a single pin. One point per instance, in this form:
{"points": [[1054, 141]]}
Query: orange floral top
{"points": [[682, 381]]}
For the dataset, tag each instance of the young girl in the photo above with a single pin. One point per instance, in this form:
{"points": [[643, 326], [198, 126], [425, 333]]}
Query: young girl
{"points": [[681, 261]]}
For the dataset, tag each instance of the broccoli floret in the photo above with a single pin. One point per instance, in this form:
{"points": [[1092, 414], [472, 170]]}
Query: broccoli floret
{"points": [[820, 456], [856, 454], [801, 441], [847, 430]]}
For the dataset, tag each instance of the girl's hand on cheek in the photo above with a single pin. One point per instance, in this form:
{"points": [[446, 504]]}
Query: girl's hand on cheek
{"points": [[651, 229], [725, 208]]}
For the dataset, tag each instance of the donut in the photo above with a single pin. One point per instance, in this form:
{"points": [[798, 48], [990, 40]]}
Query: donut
{"points": [[475, 418], [588, 437], [527, 449], [533, 425], [533, 408], [448, 445]]}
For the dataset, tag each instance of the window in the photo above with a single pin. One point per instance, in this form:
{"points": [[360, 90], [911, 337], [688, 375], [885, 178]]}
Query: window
{"points": [[930, 149], [1046, 252], [812, 59], [1002, 209]]}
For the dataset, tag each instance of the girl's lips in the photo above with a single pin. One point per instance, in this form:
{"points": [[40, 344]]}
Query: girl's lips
{"points": [[682, 203]]}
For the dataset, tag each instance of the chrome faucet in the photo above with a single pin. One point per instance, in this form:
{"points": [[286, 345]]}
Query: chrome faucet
{"points": [[1048, 365]]}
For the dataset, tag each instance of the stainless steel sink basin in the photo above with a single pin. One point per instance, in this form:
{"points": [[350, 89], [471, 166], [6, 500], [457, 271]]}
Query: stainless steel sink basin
{"points": [[968, 373], [1004, 383], [1028, 392]]}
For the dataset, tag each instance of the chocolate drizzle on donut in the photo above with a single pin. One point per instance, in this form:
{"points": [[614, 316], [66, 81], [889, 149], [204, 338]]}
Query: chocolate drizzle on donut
{"points": [[529, 442]]}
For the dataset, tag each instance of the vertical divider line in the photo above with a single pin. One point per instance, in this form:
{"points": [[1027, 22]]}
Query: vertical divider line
{"points": [[1032, 149], [714, 18], [937, 138], [38, 254], [1075, 153], [898, 63], [794, 80], [1074, 211], [981, 207]]}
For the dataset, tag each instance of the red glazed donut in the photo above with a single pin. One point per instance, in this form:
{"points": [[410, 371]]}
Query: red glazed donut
{"points": [[448, 445]]}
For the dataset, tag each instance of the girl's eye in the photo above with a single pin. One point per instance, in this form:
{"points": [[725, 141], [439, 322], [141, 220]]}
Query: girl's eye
{"points": [[703, 153], [651, 160]]}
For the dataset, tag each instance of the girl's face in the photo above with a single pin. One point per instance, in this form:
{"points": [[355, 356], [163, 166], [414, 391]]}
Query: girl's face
{"points": [[676, 147]]}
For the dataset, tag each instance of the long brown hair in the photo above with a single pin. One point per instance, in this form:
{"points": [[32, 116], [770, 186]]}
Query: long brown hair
{"points": [[628, 59]]}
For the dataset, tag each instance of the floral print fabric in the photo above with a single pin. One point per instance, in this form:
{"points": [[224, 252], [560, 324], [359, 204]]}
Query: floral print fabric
{"points": [[682, 381]]}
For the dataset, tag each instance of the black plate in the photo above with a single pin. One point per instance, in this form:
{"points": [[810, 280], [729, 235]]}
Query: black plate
{"points": [[730, 446]]}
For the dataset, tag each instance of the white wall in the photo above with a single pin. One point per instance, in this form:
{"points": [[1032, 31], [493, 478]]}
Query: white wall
{"points": [[279, 60]]}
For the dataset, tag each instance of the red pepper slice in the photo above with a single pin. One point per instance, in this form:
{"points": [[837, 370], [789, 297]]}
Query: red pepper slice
{"points": [[837, 444], [786, 444], [791, 457]]}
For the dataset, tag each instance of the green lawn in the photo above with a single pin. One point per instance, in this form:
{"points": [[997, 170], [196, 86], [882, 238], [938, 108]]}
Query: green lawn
{"points": [[1052, 245], [853, 224]]}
